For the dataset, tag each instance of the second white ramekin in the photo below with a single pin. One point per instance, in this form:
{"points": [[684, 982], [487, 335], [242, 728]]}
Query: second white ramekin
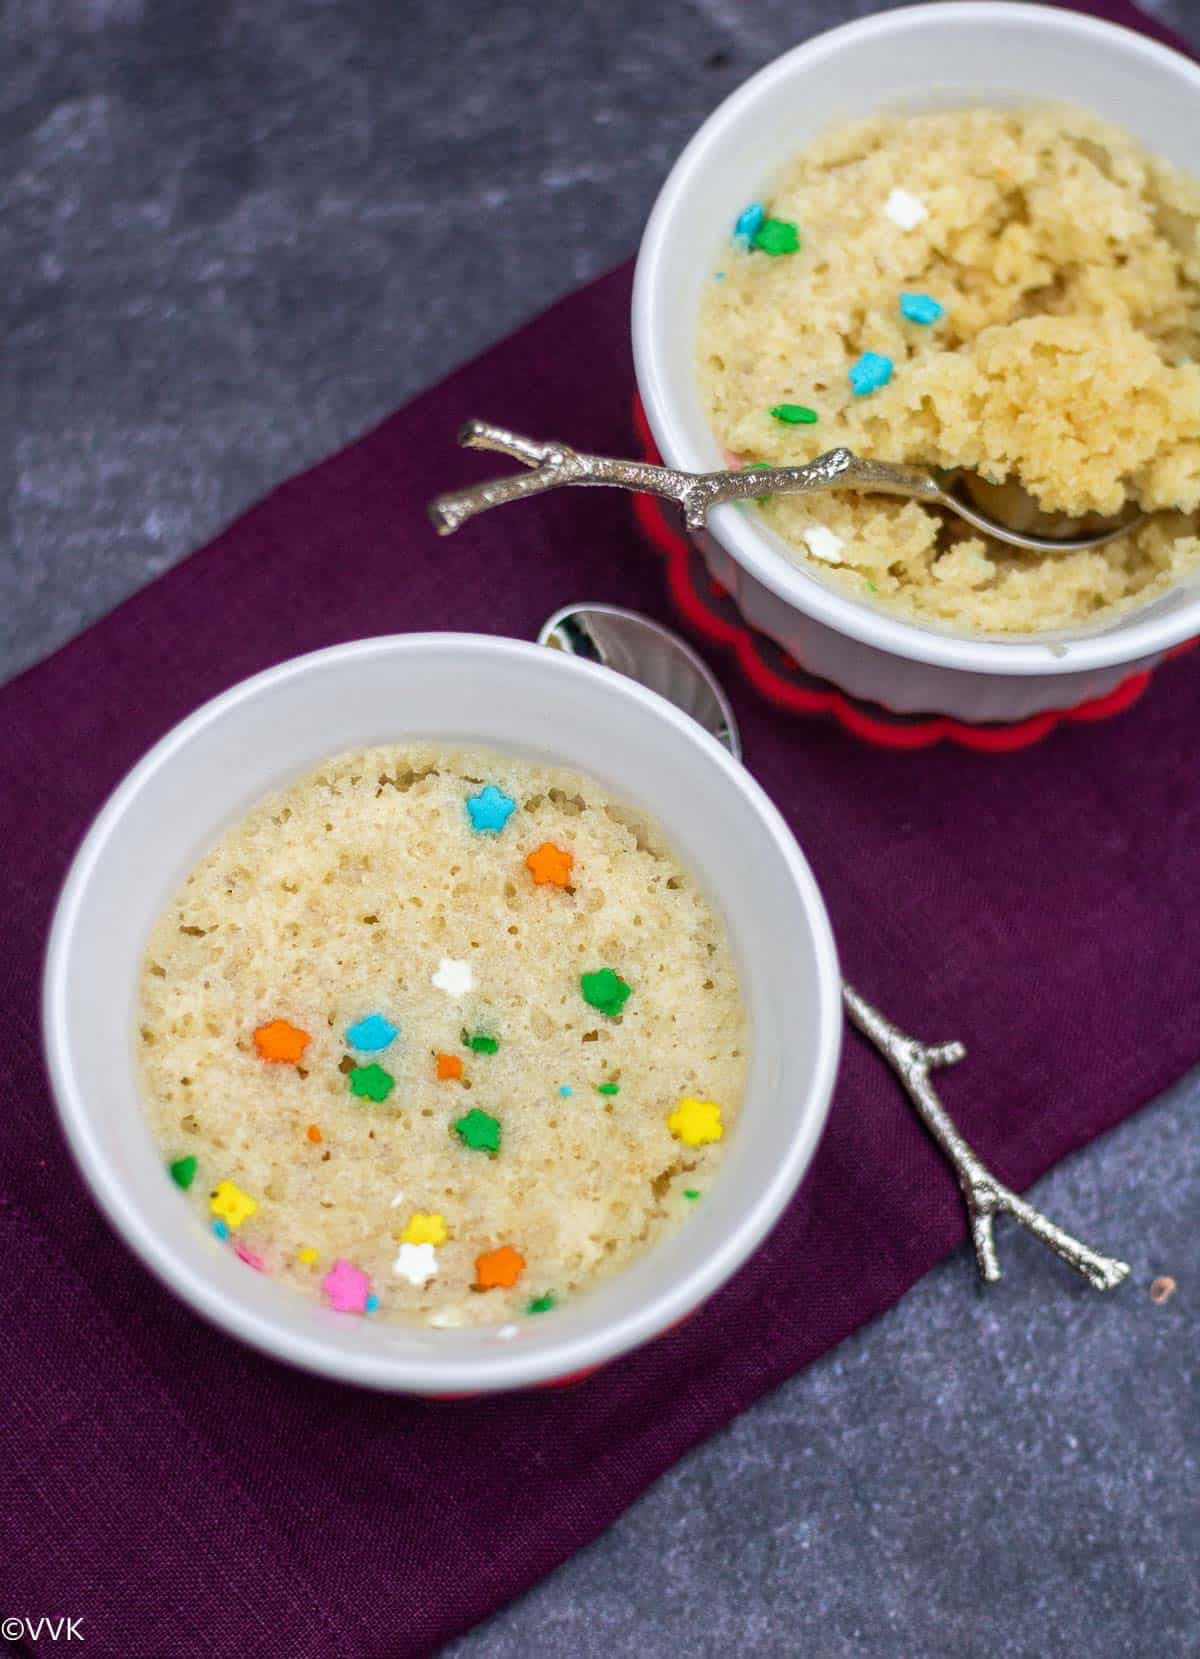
{"points": [[918, 57]]}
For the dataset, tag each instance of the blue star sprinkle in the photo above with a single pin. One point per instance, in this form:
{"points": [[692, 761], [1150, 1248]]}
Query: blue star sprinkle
{"points": [[371, 1034], [749, 223], [489, 811], [921, 308], [870, 373]]}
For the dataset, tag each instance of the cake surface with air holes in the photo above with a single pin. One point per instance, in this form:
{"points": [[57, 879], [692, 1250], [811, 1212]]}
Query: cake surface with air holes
{"points": [[433, 1012]]}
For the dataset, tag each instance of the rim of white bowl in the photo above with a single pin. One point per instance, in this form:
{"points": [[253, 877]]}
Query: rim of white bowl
{"points": [[737, 532], [545, 1358]]}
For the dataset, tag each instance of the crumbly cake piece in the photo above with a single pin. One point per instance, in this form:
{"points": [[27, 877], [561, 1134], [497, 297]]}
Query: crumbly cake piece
{"points": [[1063, 263]]}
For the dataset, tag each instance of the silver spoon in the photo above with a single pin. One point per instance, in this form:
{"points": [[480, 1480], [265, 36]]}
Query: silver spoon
{"points": [[645, 651], [555, 464]]}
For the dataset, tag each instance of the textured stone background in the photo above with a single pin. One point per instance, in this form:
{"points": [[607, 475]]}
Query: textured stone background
{"points": [[233, 236]]}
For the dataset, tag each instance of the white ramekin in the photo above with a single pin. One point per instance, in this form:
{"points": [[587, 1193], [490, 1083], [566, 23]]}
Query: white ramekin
{"points": [[210, 769], [919, 57]]}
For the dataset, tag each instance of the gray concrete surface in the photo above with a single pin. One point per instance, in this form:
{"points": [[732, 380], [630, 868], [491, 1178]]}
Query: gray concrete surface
{"points": [[233, 236]]}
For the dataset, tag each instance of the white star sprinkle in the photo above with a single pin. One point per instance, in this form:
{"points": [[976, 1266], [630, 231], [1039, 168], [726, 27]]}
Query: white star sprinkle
{"points": [[822, 543], [905, 209], [455, 978], [417, 1263]]}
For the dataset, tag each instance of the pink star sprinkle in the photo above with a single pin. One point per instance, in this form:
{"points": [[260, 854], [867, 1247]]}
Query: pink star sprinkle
{"points": [[347, 1287]]}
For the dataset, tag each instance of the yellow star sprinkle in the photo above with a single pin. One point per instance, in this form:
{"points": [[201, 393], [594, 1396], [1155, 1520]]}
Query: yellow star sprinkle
{"points": [[307, 1255], [232, 1204], [696, 1121], [424, 1229]]}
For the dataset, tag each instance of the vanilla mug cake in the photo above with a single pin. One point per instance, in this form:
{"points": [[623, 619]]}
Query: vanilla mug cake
{"points": [[1015, 292], [440, 1035]]}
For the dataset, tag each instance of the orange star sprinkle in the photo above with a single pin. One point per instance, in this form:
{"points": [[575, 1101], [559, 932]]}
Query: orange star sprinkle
{"points": [[281, 1041], [448, 1066], [499, 1269], [314, 1134], [550, 864]]}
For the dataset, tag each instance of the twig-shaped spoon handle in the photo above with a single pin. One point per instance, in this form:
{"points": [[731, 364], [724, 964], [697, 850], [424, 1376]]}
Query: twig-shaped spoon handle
{"points": [[984, 1195], [557, 464]]}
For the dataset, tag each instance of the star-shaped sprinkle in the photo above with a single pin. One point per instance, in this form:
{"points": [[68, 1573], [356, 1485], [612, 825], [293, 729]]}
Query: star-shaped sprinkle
{"points": [[480, 1042], [604, 990], [479, 1131], [696, 1122], [282, 1042], [371, 1082], [541, 1304], [565, 1090], [905, 209], [691, 1192], [425, 1229], [794, 414], [499, 1269], [417, 1263], [449, 1067], [371, 1034], [183, 1172], [347, 1287], [371, 1305], [823, 543], [231, 1205], [455, 978], [313, 1134], [871, 372], [308, 1255], [921, 308], [776, 236], [550, 865], [490, 810], [747, 226]]}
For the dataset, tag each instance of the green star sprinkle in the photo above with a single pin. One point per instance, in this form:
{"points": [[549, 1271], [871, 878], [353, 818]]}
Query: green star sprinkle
{"points": [[691, 1192], [776, 236], [371, 1082], [608, 1088], [479, 1043], [604, 990], [794, 414], [183, 1172], [479, 1131], [541, 1304]]}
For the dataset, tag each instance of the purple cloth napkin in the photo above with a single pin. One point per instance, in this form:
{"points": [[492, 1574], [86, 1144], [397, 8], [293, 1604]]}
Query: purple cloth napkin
{"points": [[186, 1496]]}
